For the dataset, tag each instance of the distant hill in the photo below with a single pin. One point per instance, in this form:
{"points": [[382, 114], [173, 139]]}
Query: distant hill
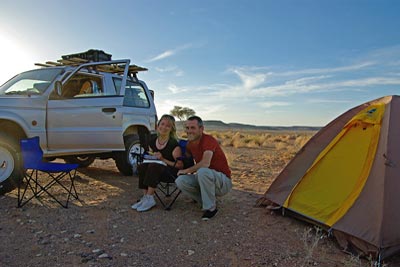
{"points": [[220, 125]]}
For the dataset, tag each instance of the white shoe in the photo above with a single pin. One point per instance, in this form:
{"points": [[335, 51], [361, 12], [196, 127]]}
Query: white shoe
{"points": [[137, 204], [147, 204]]}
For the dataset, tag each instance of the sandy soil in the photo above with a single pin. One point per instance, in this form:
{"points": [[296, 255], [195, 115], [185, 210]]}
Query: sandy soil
{"points": [[102, 230]]}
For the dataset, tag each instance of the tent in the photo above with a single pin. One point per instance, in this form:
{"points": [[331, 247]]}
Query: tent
{"points": [[347, 179]]}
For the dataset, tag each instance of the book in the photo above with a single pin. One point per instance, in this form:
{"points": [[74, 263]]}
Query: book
{"points": [[148, 156], [154, 161]]}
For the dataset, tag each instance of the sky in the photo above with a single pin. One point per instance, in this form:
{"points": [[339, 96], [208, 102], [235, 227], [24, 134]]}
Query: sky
{"points": [[259, 62]]}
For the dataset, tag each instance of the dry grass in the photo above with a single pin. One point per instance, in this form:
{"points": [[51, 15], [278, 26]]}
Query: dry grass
{"points": [[252, 139], [261, 139], [311, 241]]}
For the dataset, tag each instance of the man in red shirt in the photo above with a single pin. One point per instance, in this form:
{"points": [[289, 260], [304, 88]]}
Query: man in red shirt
{"points": [[210, 176]]}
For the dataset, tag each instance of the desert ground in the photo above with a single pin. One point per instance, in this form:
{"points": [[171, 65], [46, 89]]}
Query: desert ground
{"points": [[102, 230]]}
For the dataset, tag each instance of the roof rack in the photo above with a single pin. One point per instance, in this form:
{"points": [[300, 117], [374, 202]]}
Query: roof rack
{"points": [[76, 61], [94, 55]]}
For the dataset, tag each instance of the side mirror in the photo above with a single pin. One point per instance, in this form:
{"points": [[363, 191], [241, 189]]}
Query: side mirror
{"points": [[58, 86], [152, 93]]}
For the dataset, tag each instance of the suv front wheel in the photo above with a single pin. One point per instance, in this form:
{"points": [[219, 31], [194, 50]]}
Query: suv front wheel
{"points": [[126, 161], [10, 164]]}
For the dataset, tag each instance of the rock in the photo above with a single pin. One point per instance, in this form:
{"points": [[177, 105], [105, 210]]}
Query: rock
{"points": [[104, 256], [97, 251]]}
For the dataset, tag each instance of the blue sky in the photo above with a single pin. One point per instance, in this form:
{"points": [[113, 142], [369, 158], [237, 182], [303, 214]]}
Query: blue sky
{"points": [[266, 62]]}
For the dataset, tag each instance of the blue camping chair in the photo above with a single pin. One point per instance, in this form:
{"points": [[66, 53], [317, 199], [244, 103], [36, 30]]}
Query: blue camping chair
{"points": [[34, 185]]}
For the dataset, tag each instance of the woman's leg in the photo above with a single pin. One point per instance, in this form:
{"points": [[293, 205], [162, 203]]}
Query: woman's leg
{"points": [[142, 169], [151, 180]]}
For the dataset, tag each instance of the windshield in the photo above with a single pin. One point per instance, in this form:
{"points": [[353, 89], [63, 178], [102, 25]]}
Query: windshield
{"points": [[33, 82]]}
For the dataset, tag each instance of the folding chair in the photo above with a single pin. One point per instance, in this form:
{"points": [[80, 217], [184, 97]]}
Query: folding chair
{"points": [[167, 184], [52, 173]]}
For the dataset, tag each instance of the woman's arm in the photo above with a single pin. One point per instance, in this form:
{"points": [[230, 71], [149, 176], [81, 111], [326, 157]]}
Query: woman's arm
{"points": [[177, 153]]}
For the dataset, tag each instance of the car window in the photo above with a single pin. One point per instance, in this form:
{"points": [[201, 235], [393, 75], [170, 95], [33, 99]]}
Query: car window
{"points": [[117, 84], [33, 82], [83, 85], [135, 95]]}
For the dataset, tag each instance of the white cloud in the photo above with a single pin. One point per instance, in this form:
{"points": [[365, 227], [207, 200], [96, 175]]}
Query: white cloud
{"points": [[251, 80], [163, 55], [171, 69], [169, 53], [303, 85], [272, 84], [385, 54], [271, 104], [175, 89], [205, 109], [372, 81], [353, 67], [323, 101]]}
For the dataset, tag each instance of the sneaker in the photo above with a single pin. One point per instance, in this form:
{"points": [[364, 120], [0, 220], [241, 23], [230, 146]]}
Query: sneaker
{"points": [[208, 214], [137, 204], [147, 204]]}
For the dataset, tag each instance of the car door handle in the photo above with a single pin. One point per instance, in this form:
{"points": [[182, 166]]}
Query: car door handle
{"points": [[109, 110]]}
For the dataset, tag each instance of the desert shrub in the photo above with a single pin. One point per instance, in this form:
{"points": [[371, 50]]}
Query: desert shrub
{"points": [[281, 145], [301, 140], [237, 140], [311, 241]]}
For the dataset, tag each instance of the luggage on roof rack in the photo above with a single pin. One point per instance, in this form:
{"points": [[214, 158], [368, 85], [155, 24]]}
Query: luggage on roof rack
{"points": [[93, 55]]}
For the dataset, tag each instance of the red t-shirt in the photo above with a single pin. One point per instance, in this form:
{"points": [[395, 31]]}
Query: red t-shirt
{"points": [[218, 160]]}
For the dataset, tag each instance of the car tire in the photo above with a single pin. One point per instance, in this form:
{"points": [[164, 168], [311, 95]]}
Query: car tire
{"points": [[125, 161], [83, 161], [10, 164]]}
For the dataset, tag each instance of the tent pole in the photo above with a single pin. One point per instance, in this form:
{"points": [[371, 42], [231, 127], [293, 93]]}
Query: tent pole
{"points": [[378, 262]]}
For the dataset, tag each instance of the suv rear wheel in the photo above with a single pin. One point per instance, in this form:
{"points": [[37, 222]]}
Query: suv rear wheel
{"points": [[83, 161], [10, 164], [125, 161]]}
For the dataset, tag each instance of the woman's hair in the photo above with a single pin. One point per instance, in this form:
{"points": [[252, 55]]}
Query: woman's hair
{"points": [[171, 120]]}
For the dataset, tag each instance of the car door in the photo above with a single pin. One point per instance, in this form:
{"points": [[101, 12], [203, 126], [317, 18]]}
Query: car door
{"points": [[86, 117]]}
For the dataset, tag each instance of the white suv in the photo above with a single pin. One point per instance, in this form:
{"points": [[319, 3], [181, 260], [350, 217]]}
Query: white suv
{"points": [[80, 108]]}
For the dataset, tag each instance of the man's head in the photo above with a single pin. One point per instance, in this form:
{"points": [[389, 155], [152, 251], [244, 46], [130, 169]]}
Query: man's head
{"points": [[194, 128]]}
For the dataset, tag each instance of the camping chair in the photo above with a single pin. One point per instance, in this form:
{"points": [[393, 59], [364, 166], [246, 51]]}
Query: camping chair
{"points": [[59, 174], [167, 186]]}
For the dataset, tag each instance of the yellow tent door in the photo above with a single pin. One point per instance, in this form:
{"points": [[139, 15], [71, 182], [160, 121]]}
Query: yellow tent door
{"points": [[336, 178]]}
